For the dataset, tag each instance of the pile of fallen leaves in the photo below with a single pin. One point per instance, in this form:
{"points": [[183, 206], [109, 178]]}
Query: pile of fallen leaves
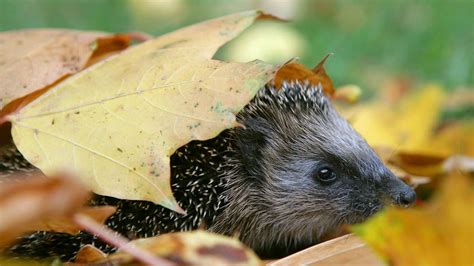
{"points": [[96, 114], [406, 129]]}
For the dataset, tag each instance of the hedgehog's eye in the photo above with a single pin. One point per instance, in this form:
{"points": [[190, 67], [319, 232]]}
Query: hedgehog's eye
{"points": [[325, 175]]}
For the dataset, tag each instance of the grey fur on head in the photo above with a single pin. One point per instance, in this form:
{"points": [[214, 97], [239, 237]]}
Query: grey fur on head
{"points": [[276, 202]]}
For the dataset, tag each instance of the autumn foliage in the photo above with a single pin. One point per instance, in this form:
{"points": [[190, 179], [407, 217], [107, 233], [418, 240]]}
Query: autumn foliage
{"points": [[111, 115]]}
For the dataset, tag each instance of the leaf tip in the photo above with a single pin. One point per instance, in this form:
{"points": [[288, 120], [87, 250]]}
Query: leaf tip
{"points": [[267, 16], [173, 205], [319, 68]]}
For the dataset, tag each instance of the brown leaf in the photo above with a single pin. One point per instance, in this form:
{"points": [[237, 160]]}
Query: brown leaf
{"points": [[35, 58], [19, 103], [388, 156], [344, 250], [419, 163], [450, 143], [294, 71], [109, 46], [24, 203], [88, 254], [197, 248], [66, 224], [188, 248]]}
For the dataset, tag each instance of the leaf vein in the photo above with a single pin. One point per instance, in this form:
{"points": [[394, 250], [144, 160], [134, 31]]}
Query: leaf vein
{"points": [[96, 153]]}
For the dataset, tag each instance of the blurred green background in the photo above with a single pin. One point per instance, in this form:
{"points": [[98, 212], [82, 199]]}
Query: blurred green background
{"points": [[374, 42]]}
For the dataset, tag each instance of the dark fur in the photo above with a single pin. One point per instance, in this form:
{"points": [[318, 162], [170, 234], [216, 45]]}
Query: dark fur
{"points": [[258, 181]]}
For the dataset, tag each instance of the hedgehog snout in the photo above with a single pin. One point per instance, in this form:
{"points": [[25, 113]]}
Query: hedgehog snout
{"points": [[400, 193], [406, 198]]}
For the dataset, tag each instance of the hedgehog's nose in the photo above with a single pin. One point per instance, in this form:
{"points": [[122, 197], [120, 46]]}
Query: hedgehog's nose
{"points": [[400, 193], [406, 197]]}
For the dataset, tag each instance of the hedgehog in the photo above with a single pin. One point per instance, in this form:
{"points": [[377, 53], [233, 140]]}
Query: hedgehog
{"points": [[292, 173]]}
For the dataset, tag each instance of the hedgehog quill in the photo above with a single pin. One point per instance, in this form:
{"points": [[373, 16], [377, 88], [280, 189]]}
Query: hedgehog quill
{"points": [[294, 172]]}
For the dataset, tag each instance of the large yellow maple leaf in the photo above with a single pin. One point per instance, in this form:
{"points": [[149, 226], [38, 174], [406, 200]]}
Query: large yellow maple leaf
{"points": [[117, 123]]}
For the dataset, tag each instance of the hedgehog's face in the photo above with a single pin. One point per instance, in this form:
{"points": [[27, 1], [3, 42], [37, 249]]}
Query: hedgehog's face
{"points": [[341, 168], [337, 179], [312, 165]]}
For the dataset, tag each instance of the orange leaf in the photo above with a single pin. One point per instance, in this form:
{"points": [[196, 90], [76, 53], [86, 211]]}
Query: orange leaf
{"points": [[298, 72], [106, 47], [25, 202], [66, 224], [89, 254]]}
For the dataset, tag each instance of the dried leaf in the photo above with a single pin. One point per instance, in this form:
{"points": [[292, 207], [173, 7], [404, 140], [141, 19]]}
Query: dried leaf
{"points": [[408, 134], [387, 154], [35, 58], [454, 138], [344, 250], [106, 47], [435, 153], [119, 121], [190, 248], [406, 126], [89, 254], [24, 203], [418, 163], [66, 224], [441, 233], [295, 71]]}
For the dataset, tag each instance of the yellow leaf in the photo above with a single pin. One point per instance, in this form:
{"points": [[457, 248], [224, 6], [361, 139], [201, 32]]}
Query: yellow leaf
{"points": [[117, 123], [441, 233], [349, 93], [407, 126], [456, 138], [409, 132]]}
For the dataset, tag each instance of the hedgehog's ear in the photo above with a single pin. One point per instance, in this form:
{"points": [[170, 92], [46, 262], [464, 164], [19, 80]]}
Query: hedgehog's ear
{"points": [[250, 141]]}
